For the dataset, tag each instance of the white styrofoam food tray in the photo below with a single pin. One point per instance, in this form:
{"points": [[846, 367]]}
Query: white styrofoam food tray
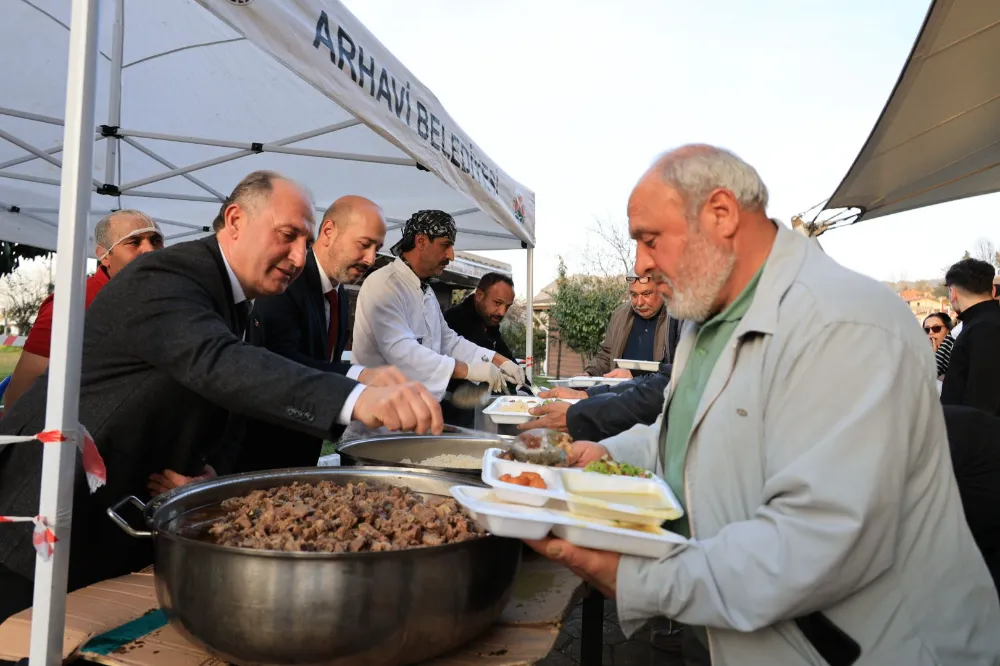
{"points": [[527, 522], [583, 381], [626, 499], [645, 366], [498, 416]]}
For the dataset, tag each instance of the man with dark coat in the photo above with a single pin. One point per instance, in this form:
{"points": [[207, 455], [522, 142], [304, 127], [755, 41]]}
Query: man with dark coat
{"points": [[164, 364], [308, 324], [973, 375], [477, 318], [974, 440]]}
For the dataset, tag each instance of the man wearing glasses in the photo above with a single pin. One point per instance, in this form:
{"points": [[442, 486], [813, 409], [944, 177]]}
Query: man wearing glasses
{"points": [[638, 331]]}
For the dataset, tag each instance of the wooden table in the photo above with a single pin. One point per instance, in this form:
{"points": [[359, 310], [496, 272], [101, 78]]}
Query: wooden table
{"points": [[118, 623]]}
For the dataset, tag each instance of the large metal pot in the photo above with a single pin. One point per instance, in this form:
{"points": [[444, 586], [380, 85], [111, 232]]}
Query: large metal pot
{"points": [[256, 607], [393, 448]]}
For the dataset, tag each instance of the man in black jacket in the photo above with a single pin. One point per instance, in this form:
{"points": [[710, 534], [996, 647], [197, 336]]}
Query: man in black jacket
{"points": [[477, 318], [974, 440], [973, 375], [163, 366], [308, 324]]}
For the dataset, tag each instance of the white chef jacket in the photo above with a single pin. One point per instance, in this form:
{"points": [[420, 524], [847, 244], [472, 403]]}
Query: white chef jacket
{"points": [[397, 323]]}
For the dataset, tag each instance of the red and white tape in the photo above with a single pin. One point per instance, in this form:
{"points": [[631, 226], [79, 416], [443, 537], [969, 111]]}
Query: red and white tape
{"points": [[42, 538], [13, 340], [93, 463]]}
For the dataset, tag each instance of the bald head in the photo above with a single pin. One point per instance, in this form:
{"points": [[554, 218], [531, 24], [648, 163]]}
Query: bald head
{"points": [[352, 233]]}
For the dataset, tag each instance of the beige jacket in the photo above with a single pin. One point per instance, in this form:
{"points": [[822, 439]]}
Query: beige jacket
{"points": [[818, 477], [619, 328]]}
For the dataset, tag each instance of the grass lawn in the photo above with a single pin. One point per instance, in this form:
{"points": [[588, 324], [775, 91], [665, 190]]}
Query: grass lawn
{"points": [[8, 359]]}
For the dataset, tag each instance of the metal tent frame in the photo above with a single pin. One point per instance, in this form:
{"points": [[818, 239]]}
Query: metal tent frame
{"points": [[34, 222]]}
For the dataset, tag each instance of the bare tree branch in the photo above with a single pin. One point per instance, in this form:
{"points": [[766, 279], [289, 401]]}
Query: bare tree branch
{"points": [[609, 250], [986, 251], [21, 296]]}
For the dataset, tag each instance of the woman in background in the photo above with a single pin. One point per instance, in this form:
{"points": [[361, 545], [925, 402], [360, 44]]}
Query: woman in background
{"points": [[938, 326]]}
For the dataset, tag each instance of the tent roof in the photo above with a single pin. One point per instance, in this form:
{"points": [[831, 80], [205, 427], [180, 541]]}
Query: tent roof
{"points": [[938, 138], [205, 80]]}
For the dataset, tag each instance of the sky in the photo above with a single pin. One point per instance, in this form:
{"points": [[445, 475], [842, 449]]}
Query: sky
{"points": [[574, 99]]}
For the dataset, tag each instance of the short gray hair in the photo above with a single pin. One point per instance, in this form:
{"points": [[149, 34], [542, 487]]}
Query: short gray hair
{"points": [[102, 232], [250, 194], [695, 170]]}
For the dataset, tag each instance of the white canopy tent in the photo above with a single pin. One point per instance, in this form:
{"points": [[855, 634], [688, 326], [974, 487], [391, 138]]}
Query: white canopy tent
{"points": [[166, 106], [938, 137]]}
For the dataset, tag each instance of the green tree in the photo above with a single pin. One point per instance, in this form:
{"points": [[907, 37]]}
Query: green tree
{"points": [[582, 307], [514, 331]]}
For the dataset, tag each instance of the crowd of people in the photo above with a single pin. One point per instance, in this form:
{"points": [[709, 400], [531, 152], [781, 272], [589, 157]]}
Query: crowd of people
{"points": [[836, 511]]}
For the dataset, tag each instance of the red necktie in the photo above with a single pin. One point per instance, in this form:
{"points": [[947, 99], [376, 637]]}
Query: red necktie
{"points": [[334, 300]]}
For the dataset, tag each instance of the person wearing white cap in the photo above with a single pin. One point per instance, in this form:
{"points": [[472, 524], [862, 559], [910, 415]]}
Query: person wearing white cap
{"points": [[119, 238]]}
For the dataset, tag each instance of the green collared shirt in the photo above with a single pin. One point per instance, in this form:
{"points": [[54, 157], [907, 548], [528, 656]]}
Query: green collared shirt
{"points": [[713, 336]]}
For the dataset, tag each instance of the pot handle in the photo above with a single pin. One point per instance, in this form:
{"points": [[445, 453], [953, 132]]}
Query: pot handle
{"points": [[120, 522]]}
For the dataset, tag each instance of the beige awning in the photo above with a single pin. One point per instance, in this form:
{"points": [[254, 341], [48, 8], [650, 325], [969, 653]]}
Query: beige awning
{"points": [[938, 138]]}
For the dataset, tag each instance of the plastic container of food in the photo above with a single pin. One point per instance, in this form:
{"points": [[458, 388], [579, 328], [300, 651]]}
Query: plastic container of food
{"points": [[644, 366], [514, 410], [614, 497], [584, 381], [526, 522], [494, 468], [513, 521]]}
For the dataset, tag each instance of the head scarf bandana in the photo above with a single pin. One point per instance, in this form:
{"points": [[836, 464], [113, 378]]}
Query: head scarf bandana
{"points": [[431, 223]]}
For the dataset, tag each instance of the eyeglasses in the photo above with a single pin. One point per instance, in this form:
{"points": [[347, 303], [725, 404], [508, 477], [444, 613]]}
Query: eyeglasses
{"points": [[640, 280], [933, 329]]}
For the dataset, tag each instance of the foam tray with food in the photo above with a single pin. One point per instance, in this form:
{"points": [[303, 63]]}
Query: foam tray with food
{"points": [[519, 521], [585, 381], [646, 501], [632, 364], [514, 410]]}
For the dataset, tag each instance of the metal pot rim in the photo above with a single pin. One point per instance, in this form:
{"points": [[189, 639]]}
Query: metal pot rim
{"points": [[284, 477]]}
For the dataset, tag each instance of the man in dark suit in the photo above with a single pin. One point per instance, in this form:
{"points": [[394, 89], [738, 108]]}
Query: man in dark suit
{"points": [[308, 324], [164, 364]]}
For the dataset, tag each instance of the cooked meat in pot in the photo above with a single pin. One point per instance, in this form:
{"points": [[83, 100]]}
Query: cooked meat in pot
{"points": [[326, 517]]}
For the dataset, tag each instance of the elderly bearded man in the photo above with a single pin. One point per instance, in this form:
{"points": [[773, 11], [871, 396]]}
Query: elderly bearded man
{"points": [[806, 441]]}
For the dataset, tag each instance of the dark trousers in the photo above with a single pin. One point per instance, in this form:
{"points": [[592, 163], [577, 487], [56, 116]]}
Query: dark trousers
{"points": [[693, 650]]}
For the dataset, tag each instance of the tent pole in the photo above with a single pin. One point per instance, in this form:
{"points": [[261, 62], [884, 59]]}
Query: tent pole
{"points": [[62, 408], [529, 326], [115, 94]]}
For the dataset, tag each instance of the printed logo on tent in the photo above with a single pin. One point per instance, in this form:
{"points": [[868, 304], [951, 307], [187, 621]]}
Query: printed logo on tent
{"points": [[240, 2], [519, 207]]}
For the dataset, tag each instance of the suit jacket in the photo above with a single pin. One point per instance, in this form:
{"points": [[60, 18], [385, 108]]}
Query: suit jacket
{"points": [[973, 375], [616, 337], [162, 370], [292, 324]]}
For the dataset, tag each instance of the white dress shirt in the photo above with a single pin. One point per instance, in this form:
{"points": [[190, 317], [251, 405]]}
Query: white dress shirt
{"points": [[239, 295], [355, 371], [398, 323]]}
